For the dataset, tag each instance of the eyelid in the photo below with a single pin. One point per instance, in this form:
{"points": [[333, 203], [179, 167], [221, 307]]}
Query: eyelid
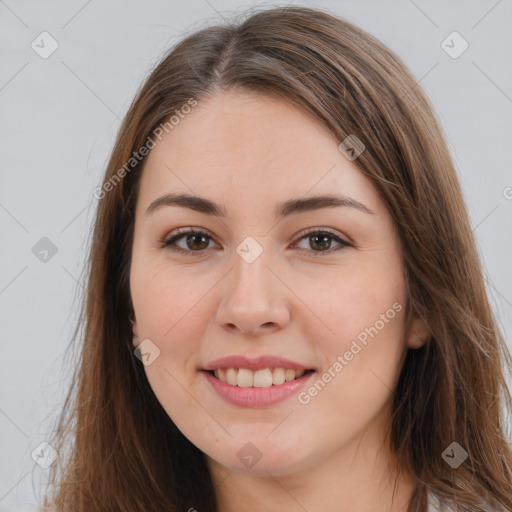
{"points": [[316, 229]]}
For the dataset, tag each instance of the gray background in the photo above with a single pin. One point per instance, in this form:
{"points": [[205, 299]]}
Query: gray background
{"points": [[59, 117]]}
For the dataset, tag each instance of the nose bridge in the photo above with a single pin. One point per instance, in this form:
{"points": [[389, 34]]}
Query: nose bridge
{"points": [[251, 277], [253, 297]]}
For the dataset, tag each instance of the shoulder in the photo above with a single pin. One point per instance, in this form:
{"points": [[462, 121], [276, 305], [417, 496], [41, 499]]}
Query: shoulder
{"points": [[434, 505]]}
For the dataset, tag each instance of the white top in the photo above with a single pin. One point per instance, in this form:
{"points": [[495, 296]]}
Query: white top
{"points": [[433, 506]]}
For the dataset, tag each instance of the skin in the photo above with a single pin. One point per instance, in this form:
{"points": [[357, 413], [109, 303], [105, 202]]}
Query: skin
{"points": [[249, 152]]}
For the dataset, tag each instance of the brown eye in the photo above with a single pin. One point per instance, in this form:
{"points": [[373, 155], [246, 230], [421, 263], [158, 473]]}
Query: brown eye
{"points": [[191, 242], [320, 241], [196, 241]]}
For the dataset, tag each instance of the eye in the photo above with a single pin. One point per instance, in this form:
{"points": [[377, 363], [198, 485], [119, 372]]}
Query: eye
{"points": [[196, 241], [321, 240]]}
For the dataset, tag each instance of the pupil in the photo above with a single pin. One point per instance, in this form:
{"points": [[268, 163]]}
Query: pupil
{"points": [[193, 236], [325, 239]]}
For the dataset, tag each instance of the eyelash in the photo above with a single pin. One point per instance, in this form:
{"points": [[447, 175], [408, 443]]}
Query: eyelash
{"points": [[169, 243]]}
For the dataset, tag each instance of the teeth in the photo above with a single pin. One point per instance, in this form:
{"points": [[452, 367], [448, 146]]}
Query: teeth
{"points": [[289, 375], [245, 378], [278, 376], [264, 378], [231, 376]]}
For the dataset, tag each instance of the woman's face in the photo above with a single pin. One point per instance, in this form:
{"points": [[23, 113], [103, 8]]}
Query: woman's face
{"points": [[255, 284]]}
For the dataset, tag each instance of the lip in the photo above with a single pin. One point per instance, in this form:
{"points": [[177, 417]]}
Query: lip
{"points": [[258, 363], [256, 397]]}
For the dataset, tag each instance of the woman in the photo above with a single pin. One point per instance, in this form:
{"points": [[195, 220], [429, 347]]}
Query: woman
{"points": [[285, 306]]}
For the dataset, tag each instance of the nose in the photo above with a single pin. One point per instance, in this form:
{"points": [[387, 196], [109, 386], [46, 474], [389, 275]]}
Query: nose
{"points": [[254, 300]]}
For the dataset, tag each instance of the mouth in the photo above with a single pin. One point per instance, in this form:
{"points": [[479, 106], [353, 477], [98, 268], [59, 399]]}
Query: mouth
{"points": [[262, 378], [258, 388]]}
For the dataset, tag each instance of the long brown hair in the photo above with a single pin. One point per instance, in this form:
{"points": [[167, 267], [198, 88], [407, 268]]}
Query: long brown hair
{"points": [[119, 450]]}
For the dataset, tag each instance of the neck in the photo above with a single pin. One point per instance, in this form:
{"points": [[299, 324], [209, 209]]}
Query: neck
{"points": [[363, 476]]}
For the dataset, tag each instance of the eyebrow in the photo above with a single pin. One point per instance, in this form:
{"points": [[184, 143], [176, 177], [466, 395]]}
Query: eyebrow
{"points": [[208, 207]]}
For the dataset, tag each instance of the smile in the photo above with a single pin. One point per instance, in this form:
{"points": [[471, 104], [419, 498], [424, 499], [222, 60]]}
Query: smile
{"points": [[263, 378], [251, 395]]}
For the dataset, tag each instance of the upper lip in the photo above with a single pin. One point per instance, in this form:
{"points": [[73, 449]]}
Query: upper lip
{"points": [[257, 363]]}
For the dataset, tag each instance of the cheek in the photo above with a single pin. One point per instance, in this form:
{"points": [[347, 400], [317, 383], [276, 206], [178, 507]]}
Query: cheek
{"points": [[171, 314], [173, 311], [165, 296], [363, 348], [358, 300]]}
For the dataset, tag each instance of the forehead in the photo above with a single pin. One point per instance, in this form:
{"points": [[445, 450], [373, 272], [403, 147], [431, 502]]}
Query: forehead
{"points": [[254, 147]]}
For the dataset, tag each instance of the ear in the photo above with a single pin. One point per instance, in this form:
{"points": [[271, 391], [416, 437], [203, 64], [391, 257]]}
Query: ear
{"points": [[135, 332], [418, 333]]}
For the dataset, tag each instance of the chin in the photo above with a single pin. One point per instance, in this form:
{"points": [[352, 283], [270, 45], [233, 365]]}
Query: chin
{"points": [[260, 457]]}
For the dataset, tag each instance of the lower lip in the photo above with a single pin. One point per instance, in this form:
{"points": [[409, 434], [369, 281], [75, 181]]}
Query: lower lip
{"points": [[256, 397]]}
